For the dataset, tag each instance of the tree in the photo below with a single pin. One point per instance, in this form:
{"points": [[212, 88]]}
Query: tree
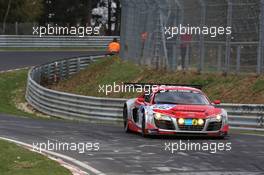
{"points": [[6, 15], [107, 15], [118, 18], [68, 12], [20, 11]]}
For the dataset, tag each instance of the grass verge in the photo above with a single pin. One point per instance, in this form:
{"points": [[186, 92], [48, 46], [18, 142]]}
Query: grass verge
{"points": [[235, 131], [12, 94], [229, 89], [19, 161], [12, 90]]}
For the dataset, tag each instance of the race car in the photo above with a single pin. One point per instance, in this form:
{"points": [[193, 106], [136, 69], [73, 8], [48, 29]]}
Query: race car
{"points": [[175, 110]]}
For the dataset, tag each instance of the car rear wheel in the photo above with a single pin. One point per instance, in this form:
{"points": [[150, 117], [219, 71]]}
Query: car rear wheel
{"points": [[125, 118]]}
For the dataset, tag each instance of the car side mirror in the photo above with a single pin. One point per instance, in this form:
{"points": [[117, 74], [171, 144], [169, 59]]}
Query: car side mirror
{"points": [[147, 98], [217, 102], [141, 99]]}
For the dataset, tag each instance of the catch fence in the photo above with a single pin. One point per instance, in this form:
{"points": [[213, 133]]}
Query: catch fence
{"points": [[227, 35]]}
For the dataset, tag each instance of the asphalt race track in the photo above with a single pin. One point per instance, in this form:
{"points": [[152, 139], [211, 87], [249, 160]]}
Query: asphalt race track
{"points": [[122, 153], [19, 59]]}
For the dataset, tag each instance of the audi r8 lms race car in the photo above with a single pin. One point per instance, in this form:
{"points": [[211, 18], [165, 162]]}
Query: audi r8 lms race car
{"points": [[175, 110]]}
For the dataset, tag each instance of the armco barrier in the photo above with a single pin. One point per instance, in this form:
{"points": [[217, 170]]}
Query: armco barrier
{"points": [[77, 107], [33, 41], [67, 105]]}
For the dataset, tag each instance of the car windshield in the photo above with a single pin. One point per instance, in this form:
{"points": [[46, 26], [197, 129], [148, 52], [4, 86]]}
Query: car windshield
{"points": [[181, 97]]}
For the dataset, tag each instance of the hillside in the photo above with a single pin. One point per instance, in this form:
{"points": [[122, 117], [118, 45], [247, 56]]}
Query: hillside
{"points": [[229, 89]]}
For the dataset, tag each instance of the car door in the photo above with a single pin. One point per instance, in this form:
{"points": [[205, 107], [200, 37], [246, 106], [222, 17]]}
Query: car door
{"points": [[144, 101]]}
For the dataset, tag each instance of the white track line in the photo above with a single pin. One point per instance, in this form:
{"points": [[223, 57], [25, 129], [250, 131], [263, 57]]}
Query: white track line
{"points": [[12, 70], [249, 134], [64, 157]]}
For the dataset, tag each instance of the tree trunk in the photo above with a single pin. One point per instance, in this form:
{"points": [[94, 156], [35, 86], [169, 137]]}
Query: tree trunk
{"points": [[6, 15], [118, 18], [109, 18], [88, 12]]}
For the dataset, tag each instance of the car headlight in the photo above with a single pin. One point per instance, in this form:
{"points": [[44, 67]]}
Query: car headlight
{"points": [[159, 116], [181, 121], [221, 117], [200, 122], [224, 116], [218, 117]]}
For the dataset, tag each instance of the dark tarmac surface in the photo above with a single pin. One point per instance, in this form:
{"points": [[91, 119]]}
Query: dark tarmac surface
{"points": [[19, 59], [122, 153]]}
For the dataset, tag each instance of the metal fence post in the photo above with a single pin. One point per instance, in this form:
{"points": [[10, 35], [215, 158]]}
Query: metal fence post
{"points": [[187, 60], [157, 38], [56, 73], [174, 57], [48, 73], [78, 64], [201, 42], [16, 28], [42, 74], [163, 38], [38, 80], [144, 41], [260, 59], [219, 58], [91, 59], [238, 59], [180, 18], [123, 36], [228, 37], [135, 28], [133, 40], [67, 68], [61, 71]]}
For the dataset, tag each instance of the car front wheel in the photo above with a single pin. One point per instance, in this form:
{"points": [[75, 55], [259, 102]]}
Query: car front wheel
{"points": [[143, 127], [125, 119]]}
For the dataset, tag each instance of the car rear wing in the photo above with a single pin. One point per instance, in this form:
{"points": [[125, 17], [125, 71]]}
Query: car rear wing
{"points": [[151, 85]]}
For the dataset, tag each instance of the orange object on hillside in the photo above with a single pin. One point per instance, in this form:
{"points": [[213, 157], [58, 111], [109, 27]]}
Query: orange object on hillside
{"points": [[114, 46]]}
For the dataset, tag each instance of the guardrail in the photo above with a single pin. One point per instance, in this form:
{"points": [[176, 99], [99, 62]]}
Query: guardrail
{"points": [[32, 41], [78, 107]]}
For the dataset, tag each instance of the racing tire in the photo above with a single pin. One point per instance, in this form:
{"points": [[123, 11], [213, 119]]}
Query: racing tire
{"points": [[125, 119], [223, 136], [220, 138], [143, 127]]}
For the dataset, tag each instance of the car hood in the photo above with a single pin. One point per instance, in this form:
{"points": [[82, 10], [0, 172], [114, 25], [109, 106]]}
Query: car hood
{"points": [[186, 111]]}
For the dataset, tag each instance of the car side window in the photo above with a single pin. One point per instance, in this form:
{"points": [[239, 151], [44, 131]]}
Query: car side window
{"points": [[147, 98]]}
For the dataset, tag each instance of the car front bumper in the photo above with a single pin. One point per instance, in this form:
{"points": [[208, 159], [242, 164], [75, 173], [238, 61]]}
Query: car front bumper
{"points": [[221, 128]]}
